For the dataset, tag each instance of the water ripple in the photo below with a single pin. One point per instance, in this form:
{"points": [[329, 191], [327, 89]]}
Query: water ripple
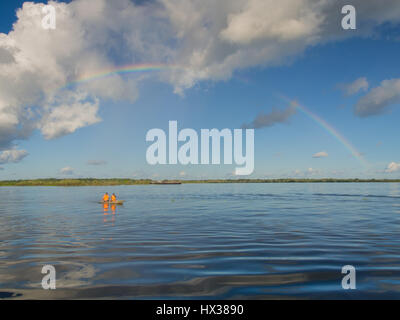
{"points": [[233, 241]]}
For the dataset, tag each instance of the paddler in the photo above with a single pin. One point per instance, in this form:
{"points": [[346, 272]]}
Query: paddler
{"points": [[106, 197], [113, 198]]}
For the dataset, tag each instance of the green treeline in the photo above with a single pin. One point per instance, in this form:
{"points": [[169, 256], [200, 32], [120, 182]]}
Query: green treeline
{"points": [[115, 182], [73, 182]]}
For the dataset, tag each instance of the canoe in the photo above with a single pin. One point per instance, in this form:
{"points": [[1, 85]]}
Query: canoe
{"points": [[115, 202]]}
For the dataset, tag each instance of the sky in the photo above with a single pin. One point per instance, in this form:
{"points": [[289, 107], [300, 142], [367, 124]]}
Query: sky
{"points": [[323, 101]]}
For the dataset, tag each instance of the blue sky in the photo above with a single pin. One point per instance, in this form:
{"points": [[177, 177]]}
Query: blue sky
{"points": [[316, 76]]}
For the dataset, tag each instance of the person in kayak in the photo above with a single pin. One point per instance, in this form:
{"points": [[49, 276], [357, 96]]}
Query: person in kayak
{"points": [[113, 198], [106, 197]]}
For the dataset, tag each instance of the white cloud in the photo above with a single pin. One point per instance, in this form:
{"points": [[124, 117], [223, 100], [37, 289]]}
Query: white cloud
{"points": [[205, 39], [12, 156], [321, 154], [290, 20], [378, 99], [361, 84], [215, 40], [67, 171], [68, 116], [392, 167], [35, 63]]}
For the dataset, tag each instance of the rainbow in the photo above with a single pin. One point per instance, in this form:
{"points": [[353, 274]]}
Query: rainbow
{"points": [[148, 67], [133, 68], [330, 129]]}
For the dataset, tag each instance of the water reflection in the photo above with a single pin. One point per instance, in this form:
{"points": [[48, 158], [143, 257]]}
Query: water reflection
{"points": [[109, 217], [106, 213]]}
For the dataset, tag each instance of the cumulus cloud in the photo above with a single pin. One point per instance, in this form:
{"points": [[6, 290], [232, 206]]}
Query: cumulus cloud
{"points": [[378, 99], [392, 167], [12, 156], [269, 119], [217, 40], [290, 21], [97, 162], [68, 116], [361, 84], [37, 64], [202, 39], [67, 171], [321, 154]]}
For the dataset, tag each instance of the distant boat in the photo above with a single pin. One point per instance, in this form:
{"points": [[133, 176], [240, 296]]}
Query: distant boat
{"points": [[166, 182]]}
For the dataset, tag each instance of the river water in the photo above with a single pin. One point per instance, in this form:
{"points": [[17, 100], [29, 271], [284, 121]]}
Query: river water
{"points": [[211, 241]]}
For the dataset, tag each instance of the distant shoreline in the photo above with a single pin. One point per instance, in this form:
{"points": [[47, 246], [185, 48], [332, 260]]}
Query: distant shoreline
{"points": [[120, 182]]}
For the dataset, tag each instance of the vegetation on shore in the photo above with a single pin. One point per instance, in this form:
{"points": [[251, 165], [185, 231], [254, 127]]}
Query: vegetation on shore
{"points": [[115, 182], [73, 182]]}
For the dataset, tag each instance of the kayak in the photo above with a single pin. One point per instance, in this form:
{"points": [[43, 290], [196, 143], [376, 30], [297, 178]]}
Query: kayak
{"points": [[114, 202]]}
